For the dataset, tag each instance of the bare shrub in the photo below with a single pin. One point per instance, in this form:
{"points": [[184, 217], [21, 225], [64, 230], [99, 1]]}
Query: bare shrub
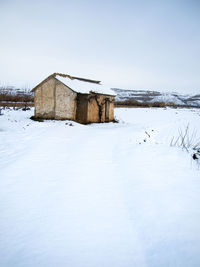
{"points": [[188, 140], [135, 103]]}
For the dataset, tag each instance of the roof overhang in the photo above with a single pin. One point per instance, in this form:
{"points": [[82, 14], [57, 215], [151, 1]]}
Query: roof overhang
{"points": [[92, 83]]}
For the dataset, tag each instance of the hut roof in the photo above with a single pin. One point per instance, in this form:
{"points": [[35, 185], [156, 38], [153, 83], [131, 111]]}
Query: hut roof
{"points": [[80, 85]]}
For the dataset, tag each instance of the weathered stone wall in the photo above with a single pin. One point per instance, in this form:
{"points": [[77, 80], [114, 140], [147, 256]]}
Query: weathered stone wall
{"points": [[111, 110], [44, 100], [53, 100], [93, 111], [65, 102], [100, 108]]}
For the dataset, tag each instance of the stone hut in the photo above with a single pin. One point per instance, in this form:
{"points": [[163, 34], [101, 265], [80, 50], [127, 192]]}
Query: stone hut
{"points": [[64, 97]]}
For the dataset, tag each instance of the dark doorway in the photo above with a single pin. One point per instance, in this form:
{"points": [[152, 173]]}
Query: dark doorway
{"points": [[82, 108], [107, 110]]}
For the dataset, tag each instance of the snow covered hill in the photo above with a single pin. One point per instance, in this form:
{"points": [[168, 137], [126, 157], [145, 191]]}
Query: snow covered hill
{"points": [[99, 195], [147, 96]]}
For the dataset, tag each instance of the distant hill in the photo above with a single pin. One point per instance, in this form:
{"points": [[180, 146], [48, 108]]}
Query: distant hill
{"points": [[147, 96]]}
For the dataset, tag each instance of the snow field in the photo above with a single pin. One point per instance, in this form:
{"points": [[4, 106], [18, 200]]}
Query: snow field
{"points": [[98, 195]]}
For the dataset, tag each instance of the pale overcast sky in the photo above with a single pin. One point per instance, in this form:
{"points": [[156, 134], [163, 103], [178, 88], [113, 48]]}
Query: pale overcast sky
{"points": [[138, 44]]}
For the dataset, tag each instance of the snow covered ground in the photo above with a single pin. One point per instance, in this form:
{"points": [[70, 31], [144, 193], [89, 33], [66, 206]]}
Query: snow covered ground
{"points": [[98, 195]]}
